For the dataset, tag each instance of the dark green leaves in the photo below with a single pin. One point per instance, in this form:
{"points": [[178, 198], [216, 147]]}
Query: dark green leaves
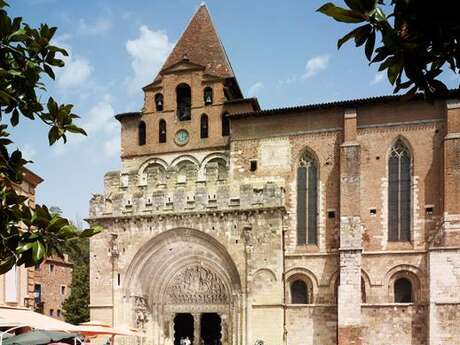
{"points": [[340, 14], [413, 47], [29, 234]]}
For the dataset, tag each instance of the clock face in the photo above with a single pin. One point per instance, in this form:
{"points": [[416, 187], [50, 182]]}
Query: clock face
{"points": [[182, 137]]}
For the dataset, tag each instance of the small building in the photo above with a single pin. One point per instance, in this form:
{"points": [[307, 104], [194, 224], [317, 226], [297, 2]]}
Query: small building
{"points": [[42, 288]]}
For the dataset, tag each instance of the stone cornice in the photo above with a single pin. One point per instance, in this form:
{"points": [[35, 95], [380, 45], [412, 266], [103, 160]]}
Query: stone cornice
{"points": [[186, 214]]}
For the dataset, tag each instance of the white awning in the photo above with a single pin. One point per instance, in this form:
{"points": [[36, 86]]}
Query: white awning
{"points": [[18, 316]]}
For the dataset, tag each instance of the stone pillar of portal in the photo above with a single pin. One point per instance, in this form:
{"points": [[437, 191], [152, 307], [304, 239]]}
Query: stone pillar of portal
{"points": [[196, 328], [349, 290]]}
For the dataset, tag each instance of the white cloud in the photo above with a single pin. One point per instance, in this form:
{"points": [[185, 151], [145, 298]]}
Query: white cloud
{"points": [[77, 69], [101, 126], [98, 27], [378, 78], [316, 65], [255, 89], [112, 146], [100, 118], [288, 81], [148, 53]]}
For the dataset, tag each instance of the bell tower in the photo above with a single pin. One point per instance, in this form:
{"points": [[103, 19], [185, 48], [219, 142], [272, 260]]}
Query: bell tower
{"points": [[186, 106]]}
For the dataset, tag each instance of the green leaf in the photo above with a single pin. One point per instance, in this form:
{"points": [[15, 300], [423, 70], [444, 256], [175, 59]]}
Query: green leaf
{"points": [[75, 129], [18, 35], [53, 135], [49, 71], [349, 36], [24, 247], [7, 263], [393, 72], [341, 14], [379, 15], [38, 251], [15, 117], [369, 49]]}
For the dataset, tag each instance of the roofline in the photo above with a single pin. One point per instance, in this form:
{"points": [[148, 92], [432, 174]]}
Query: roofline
{"points": [[346, 103], [31, 177], [122, 116], [203, 4], [253, 100]]}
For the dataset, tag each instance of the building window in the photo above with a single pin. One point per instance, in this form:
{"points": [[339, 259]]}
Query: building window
{"points": [[204, 126], [11, 285], [307, 174], [299, 292], [184, 102], [142, 133], [51, 312], [59, 313], [403, 291], [51, 268], [363, 291], [399, 193], [207, 96], [62, 290], [162, 131], [225, 125], [159, 102], [37, 293]]}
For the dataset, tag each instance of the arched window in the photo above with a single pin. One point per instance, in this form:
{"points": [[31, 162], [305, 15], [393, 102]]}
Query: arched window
{"points": [[403, 291], [204, 126], [207, 96], [184, 102], [399, 193], [363, 291], [162, 131], [159, 102], [307, 191], [141, 131], [225, 125], [299, 292]]}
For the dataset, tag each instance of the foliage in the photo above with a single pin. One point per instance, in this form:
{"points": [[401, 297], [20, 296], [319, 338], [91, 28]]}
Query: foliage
{"points": [[418, 39], [76, 305], [28, 235]]}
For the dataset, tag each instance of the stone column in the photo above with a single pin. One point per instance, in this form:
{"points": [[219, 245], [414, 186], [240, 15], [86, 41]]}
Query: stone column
{"points": [[349, 290], [196, 328], [444, 253], [451, 219]]}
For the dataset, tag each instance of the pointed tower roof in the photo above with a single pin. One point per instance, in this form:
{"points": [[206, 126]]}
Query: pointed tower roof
{"points": [[200, 44]]}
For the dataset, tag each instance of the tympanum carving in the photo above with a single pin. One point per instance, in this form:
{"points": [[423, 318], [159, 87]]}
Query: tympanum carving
{"points": [[194, 285]]}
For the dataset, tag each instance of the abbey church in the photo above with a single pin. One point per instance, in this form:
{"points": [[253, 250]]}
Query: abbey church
{"points": [[322, 224]]}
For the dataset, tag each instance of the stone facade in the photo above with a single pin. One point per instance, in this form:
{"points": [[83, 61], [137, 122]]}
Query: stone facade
{"points": [[202, 229]]}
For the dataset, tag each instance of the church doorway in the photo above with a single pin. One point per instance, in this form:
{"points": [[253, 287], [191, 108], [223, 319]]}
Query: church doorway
{"points": [[183, 328], [211, 329]]}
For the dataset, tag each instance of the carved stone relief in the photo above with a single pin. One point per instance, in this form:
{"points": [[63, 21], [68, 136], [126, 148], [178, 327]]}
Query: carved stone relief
{"points": [[141, 312], [194, 285]]}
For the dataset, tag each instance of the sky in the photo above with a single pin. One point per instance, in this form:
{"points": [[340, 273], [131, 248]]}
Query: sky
{"points": [[283, 52]]}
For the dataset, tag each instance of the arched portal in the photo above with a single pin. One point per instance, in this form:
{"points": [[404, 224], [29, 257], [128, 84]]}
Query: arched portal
{"points": [[182, 275]]}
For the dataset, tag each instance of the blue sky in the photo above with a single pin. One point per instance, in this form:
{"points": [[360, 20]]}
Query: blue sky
{"points": [[283, 52]]}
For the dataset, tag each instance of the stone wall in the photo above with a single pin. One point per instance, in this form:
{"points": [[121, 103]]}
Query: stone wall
{"points": [[395, 324]]}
